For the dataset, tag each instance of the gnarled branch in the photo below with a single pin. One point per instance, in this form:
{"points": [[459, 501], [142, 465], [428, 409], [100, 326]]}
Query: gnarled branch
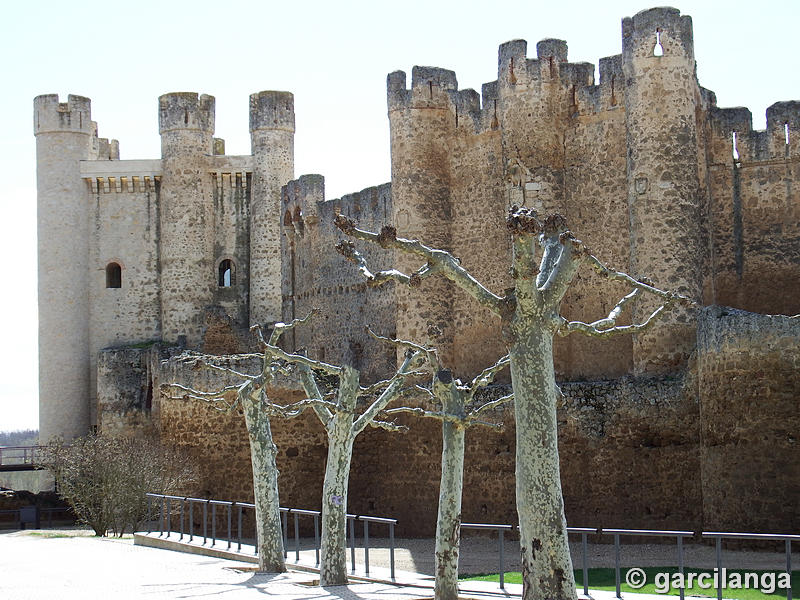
{"points": [[438, 260]]}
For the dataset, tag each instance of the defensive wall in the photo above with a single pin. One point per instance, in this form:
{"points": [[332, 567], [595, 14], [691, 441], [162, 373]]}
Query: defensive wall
{"points": [[685, 426]]}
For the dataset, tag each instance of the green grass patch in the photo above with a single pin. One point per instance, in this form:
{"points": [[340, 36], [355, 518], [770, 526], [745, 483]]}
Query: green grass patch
{"points": [[603, 579]]}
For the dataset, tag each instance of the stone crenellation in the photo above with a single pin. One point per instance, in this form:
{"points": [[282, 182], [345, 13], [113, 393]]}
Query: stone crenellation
{"points": [[141, 259]]}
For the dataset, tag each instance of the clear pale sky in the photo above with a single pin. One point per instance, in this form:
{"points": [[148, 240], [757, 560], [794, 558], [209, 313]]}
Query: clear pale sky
{"points": [[334, 57]]}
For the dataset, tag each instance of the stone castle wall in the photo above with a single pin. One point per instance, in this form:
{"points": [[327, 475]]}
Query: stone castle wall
{"points": [[649, 172], [749, 384]]}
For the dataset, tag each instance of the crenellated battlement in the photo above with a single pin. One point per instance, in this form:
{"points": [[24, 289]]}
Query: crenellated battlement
{"points": [[51, 115], [186, 111], [736, 140], [272, 110], [664, 27]]}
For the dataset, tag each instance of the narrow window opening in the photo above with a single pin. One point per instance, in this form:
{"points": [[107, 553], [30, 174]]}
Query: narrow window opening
{"points": [[456, 117], [735, 146], [573, 101], [226, 273], [613, 91], [658, 49], [552, 67], [148, 399], [511, 76], [786, 132], [185, 116], [113, 275], [430, 88]]}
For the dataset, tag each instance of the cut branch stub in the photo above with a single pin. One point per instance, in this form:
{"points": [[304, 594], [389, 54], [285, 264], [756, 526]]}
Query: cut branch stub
{"points": [[346, 248], [345, 224], [554, 224], [387, 236], [523, 221]]}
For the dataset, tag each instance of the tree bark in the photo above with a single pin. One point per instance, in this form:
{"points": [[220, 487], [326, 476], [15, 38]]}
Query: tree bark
{"points": [[448, 522], [546, 563], [265, 487], [333, 550]]}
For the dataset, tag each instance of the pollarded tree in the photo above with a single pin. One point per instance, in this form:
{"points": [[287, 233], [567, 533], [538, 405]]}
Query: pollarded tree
{"points": [[457, 412], [530, 314], [342, 422], [251, 395]]}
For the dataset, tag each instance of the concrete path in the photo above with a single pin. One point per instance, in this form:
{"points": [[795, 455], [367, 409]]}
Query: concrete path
{"points": [[46, 565]]}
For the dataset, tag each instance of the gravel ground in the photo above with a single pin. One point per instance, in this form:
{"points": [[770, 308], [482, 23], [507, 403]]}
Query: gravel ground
{"points": [[481, 555]]}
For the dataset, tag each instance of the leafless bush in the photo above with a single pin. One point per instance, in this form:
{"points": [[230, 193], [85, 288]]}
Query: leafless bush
{"points": [[105, 478]]}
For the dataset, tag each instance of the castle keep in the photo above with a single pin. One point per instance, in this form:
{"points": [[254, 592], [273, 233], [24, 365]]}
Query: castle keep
{"points": [[680, 427]]}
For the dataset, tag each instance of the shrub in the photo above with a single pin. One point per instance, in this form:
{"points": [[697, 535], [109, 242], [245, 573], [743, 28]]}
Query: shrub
{"points": [[105, 478]]}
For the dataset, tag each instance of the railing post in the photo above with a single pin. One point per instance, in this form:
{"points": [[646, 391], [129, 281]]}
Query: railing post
{"points": [[161, 518], [719, 567], [239, 529], [391, 550], [285, 521], [230, 506], [366, 548], [680, 564], [169, 517], [182, 504], [502, 560], [352, 542], [789, 568], [205, 522], [316, 539], [255, 531], [584, 549], [213, 525], [296, 538], [616, 564], [149, 522], [191, 519]]}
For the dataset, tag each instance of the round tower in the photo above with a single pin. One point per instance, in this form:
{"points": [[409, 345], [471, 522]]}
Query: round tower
{"points": [[186, 125], [272, 144], [421, 125], [64, 133], [661, 96]]}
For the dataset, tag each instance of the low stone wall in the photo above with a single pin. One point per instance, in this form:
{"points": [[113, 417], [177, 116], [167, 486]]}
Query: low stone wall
{"points": [[713, 448]]}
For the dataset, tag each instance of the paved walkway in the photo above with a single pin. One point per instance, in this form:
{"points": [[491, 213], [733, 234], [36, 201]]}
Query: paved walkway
{"points": [[43, 565]]}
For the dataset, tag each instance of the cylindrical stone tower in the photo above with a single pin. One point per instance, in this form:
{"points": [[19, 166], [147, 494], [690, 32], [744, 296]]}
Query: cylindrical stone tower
{"points": [[661, 97], [64, 133], [421, 126], [186, 124], [272, 144]]}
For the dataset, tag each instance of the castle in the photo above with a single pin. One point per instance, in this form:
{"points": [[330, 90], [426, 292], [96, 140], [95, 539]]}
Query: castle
{"points": [[186, 251]]}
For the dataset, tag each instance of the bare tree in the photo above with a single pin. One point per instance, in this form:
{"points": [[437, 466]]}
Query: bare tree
{"points": [[457, 413], [251, 395], [530, 318], [105, 478], [339, 415]]}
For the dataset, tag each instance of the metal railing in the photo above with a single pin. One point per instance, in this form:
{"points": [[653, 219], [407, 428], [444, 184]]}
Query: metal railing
{"points": [[617, 533], [166, 503], [679, 535], [718, 536], [19, 457]]}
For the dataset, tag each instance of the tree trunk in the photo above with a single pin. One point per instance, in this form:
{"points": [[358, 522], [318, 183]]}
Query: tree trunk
{"points": [[333, 554], [448, 522], [546, 563], [265, 488]]}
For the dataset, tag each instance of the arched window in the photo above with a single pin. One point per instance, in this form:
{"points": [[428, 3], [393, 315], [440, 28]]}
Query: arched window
{"points": [[227, 275], [113, 275]]}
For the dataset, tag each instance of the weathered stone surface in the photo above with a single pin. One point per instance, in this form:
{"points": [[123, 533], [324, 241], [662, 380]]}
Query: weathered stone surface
{"points": [[652, 175]]}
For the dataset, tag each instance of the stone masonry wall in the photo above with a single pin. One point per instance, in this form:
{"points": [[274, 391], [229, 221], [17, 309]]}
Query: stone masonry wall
{"points": [[749, 385], [316, 277]]}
